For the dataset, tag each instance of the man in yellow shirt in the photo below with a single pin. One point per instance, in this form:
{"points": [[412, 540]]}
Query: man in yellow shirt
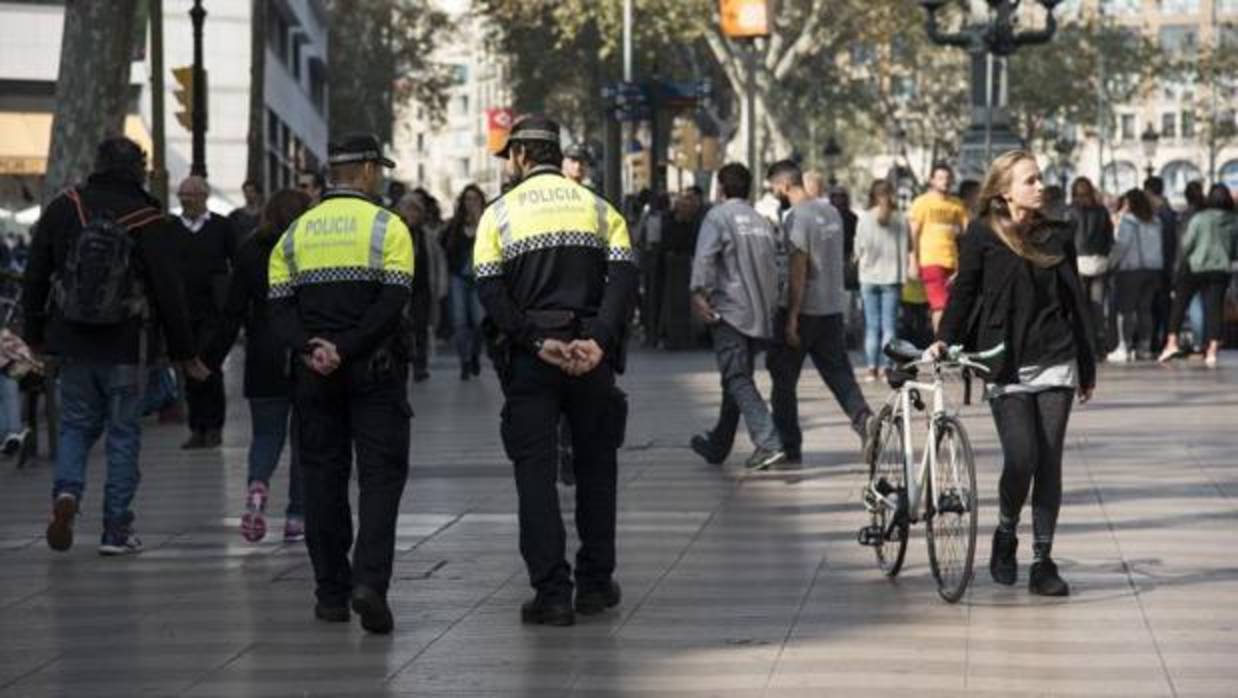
{"points": [[937, 219]]}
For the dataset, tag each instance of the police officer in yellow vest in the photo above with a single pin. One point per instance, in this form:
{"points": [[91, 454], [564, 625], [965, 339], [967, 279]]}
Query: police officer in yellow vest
{"points": [[555, 274], [339, 279]]}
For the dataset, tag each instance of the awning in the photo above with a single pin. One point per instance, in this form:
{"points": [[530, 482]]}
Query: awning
{"points": [[25, 138]]}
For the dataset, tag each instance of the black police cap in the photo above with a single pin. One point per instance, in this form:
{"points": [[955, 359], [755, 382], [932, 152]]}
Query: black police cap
{"points": [[357, 147], [534, 127]]}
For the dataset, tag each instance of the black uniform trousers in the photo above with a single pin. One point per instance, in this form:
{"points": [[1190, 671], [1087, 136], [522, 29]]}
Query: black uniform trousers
{"points": [[363, 409], [537, 394], [205, 399]]}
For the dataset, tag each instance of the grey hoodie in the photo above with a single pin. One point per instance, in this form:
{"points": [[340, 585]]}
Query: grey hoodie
{"points": [[736, 267], [1137, 246]]}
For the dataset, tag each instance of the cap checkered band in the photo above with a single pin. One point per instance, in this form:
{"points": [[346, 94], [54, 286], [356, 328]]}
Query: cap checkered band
{"points": [[363, 156], [534, 134]]}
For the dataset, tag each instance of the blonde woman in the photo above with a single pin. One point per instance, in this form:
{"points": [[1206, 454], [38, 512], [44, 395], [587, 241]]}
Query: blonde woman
{"points": [[1017, 286]]}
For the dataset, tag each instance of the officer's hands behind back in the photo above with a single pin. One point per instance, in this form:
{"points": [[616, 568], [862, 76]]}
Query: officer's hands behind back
{"points": [[577, 358]]}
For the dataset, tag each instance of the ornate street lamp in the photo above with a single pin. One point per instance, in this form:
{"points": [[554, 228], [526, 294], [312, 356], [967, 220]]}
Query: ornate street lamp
{"points": [[832, 154], [1065, 147], [989, 43], [1149, 139]]}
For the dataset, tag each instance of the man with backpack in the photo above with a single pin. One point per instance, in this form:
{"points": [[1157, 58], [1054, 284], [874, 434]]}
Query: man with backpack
{"points": [[100, 285]]}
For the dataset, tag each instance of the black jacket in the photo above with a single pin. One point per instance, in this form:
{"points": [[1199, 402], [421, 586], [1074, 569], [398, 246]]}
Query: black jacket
{"points": [[206, 259], [266, 356], [991, 302], [1093, 229], [158, 259]]}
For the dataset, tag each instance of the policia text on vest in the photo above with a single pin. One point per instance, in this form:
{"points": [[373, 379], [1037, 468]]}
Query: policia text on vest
{"points": [[554, 262]]}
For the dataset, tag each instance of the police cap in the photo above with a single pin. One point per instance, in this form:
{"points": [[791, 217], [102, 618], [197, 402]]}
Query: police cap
{"points": [[580, 152], [534, 127], [356, 147]]}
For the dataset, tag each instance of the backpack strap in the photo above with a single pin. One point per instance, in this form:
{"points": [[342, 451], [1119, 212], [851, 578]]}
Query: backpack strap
{"points": [[76, 198], [143, 216]]}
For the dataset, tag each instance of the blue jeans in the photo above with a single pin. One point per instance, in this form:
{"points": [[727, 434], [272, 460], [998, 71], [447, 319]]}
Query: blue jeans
{"points": [[95, 397], [880, 320], [270, 422], [466, 314], [10, 406]]}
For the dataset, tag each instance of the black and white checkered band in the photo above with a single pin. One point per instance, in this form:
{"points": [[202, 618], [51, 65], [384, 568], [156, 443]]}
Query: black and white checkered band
{"points": [[331, 275]]}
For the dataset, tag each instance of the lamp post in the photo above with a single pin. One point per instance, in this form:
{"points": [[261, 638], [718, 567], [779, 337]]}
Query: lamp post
{"points": [[198, 167], [1065, 147], [832, 154], [1149, 139], [989, 44]]}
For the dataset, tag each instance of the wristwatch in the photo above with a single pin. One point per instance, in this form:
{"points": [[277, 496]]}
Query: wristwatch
{"points": [[537, 344]]}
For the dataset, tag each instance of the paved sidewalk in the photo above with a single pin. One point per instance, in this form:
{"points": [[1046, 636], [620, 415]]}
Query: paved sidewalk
{"points": [[734, 586]]}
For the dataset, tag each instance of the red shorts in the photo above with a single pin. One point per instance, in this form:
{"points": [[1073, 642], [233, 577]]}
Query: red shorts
{"points": [[936, 285]]}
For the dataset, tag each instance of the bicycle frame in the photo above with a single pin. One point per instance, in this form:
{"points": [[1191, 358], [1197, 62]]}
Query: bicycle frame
{"points": [[917, 479]]}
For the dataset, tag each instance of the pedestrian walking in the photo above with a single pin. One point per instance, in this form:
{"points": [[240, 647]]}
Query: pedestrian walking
{"points": [[244, 220], [1093, 239], [313, 183], [466, 310], [937, 219], [1137, 260], [881, 257], [207, 248], [413, 212], [340, 278], [1016, 287], [1154, 188], [103, 260], [735, 291], [267, 385], [556, 275], [1209, 250], [811, 324]]}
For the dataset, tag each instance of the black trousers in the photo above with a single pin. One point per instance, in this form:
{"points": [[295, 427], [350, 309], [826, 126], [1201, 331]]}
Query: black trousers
{"points": [[419, 331], [1032, 429], [823, 339], [366, 411], [537, 394], [1211, 286], [1136, 303], [208, 406]]}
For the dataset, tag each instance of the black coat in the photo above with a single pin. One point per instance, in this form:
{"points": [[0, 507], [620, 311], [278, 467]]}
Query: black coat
{"points": [[266, 357], [158, 258], [205, 263], [991, 302]]}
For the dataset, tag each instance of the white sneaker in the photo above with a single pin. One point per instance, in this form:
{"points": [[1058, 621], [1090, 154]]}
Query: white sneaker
{"points": [[1119, 356]]}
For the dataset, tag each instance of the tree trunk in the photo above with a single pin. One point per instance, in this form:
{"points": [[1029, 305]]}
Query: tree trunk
{"points": [[92, 89], [256, 141]]}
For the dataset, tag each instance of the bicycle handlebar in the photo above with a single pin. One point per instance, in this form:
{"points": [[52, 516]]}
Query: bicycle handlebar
{"points": [[955, 356]]}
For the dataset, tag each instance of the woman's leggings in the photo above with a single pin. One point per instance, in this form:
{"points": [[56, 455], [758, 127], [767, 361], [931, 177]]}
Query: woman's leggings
{"points": [[1032, 429]]}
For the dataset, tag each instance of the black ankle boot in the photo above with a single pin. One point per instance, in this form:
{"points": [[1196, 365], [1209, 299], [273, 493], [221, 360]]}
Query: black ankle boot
{"points": [[1043, 580], [1002, 564]]}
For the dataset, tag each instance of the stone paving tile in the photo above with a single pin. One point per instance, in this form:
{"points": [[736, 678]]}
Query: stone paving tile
{"points": [[735, 584]]}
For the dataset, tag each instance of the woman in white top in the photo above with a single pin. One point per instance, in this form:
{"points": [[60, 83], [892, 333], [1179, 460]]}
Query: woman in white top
{"points": [[881, 253]]}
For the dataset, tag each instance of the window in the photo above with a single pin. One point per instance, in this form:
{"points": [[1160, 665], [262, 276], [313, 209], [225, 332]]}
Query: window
{"points": [[421, 173], [1179, 39], [1128, 127], [462, 167], [1122, 7], [1169, 123], [296, 60], [1179, 7], [421, 142], [1188, 124], [462, 105], [1227, 6]]}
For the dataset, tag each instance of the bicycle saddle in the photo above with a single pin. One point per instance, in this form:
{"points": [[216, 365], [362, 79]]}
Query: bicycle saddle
{"points": [[902, 351]]}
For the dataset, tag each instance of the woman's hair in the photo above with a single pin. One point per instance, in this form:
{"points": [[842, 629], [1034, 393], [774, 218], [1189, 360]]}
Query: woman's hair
{"points": [[411, 201], [284, 207], [434, 214], [1139, 204], [1025, 239], [1194, 193], [1082, 192], [459, 217], [881, 197], [1219, 198]]}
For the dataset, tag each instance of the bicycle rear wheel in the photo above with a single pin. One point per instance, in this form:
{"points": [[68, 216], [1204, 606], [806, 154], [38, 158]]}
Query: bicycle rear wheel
{"points": [[953, 511], [887, 480]]}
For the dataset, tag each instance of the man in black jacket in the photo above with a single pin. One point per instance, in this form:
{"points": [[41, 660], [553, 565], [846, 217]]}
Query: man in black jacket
{"points": [[100, 364], [207, 246]]}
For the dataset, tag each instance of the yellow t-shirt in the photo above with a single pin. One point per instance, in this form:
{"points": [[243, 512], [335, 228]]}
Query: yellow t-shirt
{"points": [[942, 219]]}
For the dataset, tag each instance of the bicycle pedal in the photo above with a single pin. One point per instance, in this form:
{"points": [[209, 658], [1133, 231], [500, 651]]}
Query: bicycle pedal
{"points": [[950, 503], [870, 536]]}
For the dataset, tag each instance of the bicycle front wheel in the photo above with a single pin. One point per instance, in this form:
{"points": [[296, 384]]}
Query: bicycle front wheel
{"points": [[887, 482], [953, 511]]}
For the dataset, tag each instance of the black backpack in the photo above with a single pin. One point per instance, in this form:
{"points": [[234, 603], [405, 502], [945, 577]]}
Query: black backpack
{"points": [[99, 284]]}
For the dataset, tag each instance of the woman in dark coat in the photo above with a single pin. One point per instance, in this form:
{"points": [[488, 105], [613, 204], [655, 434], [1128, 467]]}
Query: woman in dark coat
{"points": [[267, 385], [1017, 285]]}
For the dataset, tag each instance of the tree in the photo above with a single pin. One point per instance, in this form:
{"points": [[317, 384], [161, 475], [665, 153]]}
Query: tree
{"points": [[256, 141], [92, 88], [1208, 83], [381, 58]]}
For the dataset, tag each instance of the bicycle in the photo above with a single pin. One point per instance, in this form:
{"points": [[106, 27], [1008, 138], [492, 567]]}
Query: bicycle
{"points": [[942, 493]]}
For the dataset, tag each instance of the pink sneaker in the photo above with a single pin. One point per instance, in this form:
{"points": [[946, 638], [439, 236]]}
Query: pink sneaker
{"points": [[253, 522], [294, 529]]}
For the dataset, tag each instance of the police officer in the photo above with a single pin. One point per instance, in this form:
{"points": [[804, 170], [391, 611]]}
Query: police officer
{"points": [[554, 266], [576, 163], [340, 278]]}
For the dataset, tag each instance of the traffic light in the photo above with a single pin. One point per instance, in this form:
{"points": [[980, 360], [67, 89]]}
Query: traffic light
{"points": [[685, 144], [711, 153], [184, 95]]}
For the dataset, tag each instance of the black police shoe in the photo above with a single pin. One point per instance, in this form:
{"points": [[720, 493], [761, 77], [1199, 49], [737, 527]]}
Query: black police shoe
{"points": [[593, 601], [373, 609], [332, 614], [1002, 564], [701, 447], [1043, 579], [539, 611]]}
